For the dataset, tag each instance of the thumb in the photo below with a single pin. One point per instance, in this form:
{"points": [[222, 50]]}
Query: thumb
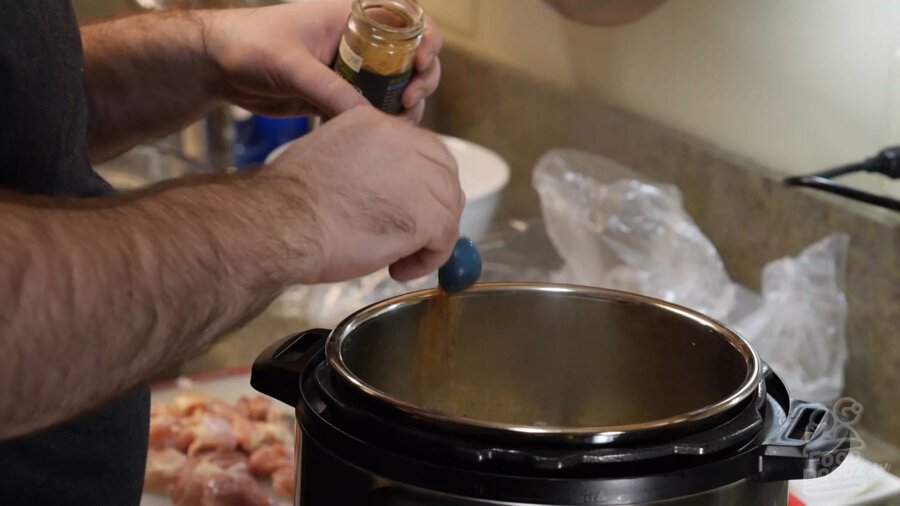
{"points": [[328, 91]]}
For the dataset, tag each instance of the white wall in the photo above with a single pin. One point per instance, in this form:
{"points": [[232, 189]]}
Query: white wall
{"points": [[798, 85]]}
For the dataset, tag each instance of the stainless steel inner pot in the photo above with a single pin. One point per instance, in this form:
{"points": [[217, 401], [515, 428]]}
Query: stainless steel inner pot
{"points": [[545, 359]]}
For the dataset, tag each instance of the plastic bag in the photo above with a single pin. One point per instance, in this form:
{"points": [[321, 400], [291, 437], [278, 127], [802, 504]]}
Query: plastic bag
{"points": [[799, 329], [616, 231]]}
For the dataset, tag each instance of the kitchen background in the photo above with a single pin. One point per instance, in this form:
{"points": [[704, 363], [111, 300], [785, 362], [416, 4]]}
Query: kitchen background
{"points": [[798, 86], [721, 98]]}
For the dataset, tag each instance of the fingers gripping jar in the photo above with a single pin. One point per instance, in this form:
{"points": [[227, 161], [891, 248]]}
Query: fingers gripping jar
{"points": [[378, 50]]}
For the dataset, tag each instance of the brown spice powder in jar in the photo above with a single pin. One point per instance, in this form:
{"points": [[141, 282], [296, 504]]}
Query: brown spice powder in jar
{"points": [[378, 49]]}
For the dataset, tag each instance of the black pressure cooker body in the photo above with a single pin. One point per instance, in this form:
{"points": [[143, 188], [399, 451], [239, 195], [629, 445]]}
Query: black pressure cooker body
{"points": [[358, 450]]}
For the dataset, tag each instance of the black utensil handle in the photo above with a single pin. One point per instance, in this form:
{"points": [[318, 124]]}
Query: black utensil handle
{"points": [[276, 371], [886, 162], [810, 443]]}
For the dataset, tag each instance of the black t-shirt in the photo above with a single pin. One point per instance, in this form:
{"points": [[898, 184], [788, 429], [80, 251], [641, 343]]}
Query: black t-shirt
{"points": [[99, 459]]}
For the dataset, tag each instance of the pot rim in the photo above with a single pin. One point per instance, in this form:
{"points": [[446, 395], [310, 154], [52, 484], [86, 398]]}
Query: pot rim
{"points": [[594, 434]]}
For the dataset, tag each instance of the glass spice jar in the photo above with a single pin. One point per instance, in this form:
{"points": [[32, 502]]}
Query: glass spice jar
{"points": [[378, 50]]}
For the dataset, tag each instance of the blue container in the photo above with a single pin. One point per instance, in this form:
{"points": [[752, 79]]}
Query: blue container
{"points": [[258, 136]]}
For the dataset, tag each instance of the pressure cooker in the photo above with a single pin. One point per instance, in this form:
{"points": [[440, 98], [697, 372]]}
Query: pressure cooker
{"points": [[549, 395]]}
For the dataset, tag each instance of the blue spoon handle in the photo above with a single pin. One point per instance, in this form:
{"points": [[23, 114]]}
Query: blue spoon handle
{"points": [[463, 269]]}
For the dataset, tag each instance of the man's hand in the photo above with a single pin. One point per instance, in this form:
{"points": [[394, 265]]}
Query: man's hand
{"points": [[381, 192], [146, 76], [131, 284], [276, 61]]}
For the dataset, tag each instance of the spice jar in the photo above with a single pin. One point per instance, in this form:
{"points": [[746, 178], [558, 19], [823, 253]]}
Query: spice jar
{"points": [[378, 49]]}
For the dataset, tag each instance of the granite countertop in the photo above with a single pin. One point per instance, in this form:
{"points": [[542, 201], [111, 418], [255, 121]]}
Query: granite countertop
{"points": [[240, 348]]}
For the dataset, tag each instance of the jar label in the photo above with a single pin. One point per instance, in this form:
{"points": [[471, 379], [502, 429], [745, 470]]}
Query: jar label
{"points": [[353, 60], [384, 92]]}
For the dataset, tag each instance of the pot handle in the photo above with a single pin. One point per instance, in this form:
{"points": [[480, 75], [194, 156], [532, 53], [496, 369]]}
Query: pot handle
{"points": [[811, 442], [276, 371]]}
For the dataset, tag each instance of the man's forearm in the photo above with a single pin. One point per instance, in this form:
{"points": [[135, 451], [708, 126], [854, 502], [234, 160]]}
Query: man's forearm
{"points": [[145, 76], [95, 300]]}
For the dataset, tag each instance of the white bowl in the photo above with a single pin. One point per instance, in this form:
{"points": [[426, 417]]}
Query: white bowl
{"points": [[483, 175]]}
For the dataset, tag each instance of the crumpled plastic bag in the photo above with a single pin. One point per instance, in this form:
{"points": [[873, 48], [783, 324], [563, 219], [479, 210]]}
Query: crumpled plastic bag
{"points": [[616, 231], [799, 329]]}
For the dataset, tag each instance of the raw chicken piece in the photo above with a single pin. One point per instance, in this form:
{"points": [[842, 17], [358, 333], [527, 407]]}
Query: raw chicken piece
{"points": [[223, 409], [166, 431], [268, 458], [242, 406], [276, 416], [163, 468], [276, 433], [212, 432], [234, 489], [186, 403], [284, 481], [252, 435], [161, 410], [254, 408], [189, 404], [247, 433], [217, 479], [226, 459]]}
